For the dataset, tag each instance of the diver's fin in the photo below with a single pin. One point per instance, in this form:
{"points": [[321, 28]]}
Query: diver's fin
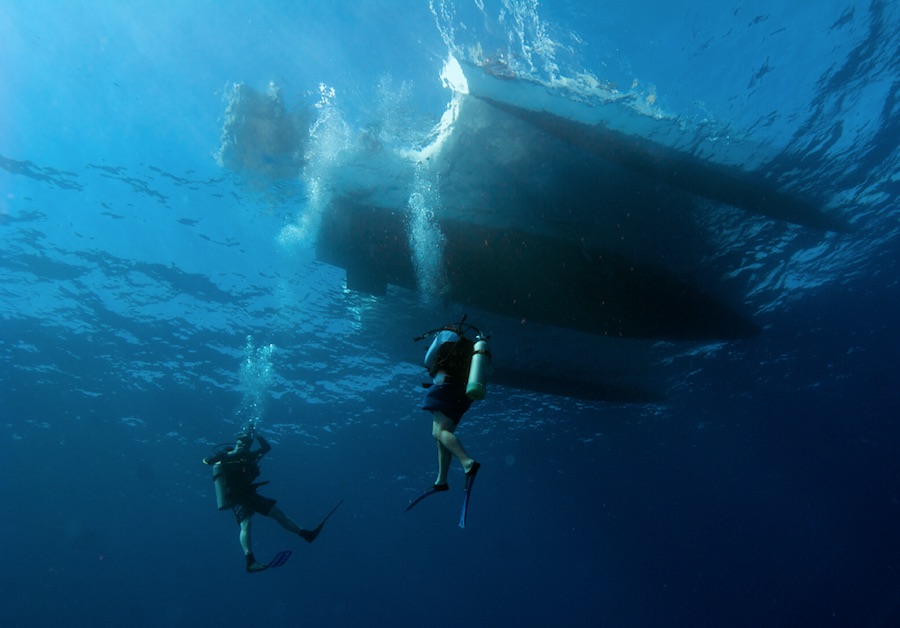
{"points": [[310, 535], [280, 559], [437, 488], [470, 480], [255, 567]]}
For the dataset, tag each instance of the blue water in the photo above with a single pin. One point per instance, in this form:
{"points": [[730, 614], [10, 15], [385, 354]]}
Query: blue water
{"points": [[153, 300]]}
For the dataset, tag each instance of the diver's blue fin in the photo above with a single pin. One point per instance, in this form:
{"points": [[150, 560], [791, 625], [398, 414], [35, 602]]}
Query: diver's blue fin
{"points": [[470, 480], [280, 559]]}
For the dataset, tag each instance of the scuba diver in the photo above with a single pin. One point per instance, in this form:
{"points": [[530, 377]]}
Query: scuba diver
{"points": [[234, 470], [458, 368]]}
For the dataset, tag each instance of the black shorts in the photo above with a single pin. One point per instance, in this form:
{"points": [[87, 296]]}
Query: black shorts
{"points": [[449, 399], [245, 508]]}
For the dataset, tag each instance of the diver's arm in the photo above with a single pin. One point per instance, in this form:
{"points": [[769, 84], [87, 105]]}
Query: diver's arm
{"points": [[264, 446]]}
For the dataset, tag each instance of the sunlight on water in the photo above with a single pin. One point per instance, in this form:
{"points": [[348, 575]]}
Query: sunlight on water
{"points": [[261, 139], [329, 139], [453, 78], [523, 41], [398, 124], [516, 42], [525, 48], [425, 238], [257, 375], [535, 44]]}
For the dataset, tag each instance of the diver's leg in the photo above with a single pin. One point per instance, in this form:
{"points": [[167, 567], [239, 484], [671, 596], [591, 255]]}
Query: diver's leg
{"points": [[246, 539], [444, 459], [444, 455], [284, 521], [442, 431], [247, 544], [288, 524]]}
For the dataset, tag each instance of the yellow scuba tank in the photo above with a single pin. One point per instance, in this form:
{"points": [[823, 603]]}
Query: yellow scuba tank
{"points": [[478, 371], [223, 500]]}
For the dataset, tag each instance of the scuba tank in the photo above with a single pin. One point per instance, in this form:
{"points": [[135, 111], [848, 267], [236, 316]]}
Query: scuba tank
{"points": [[223, 499], [478, 371], [233, 480], [233, 476]]}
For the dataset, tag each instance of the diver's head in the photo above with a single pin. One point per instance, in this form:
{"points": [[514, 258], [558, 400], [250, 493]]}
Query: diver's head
{"points": [[244, 440]]}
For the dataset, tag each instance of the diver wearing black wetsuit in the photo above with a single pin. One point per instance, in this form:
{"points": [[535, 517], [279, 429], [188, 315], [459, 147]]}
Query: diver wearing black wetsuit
{"points": [[240, 468]]}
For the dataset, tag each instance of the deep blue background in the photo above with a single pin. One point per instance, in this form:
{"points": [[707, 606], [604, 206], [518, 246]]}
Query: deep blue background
{"points": [[763, 491]]}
